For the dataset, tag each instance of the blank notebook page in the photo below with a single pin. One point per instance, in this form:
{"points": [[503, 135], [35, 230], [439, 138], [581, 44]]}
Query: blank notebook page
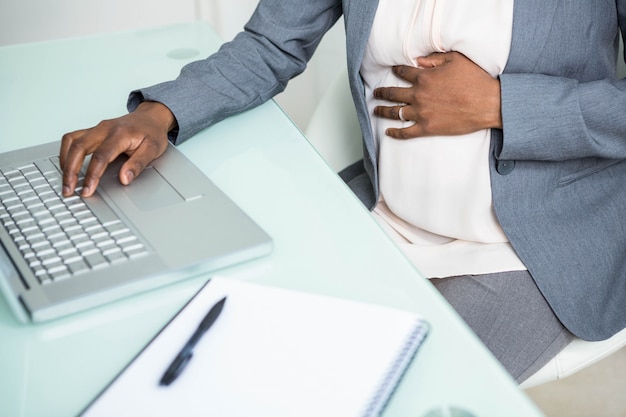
{"points": [[272, 352]]}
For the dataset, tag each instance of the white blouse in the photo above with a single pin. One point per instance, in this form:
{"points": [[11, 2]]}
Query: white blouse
{"points": [[435, 191]]}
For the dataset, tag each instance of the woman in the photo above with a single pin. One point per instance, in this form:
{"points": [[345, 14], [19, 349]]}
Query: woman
{"points": [[494, 147]]}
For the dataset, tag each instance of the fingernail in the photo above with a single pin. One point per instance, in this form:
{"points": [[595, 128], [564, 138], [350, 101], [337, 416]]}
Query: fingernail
{"points": [[86, 191], [130, 176], [66, 190]]}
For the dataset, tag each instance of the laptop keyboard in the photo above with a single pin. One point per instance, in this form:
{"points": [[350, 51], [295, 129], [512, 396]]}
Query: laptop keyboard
{"points": [[61, 237]]}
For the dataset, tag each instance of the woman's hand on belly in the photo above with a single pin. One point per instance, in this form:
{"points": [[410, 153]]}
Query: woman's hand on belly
{"points": [[449, 95]]}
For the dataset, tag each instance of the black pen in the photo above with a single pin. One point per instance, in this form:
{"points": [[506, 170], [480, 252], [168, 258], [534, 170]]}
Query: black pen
{"points": [[183, 357]]}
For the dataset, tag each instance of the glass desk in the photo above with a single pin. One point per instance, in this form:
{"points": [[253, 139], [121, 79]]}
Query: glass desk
{"points": [[325, 241]]}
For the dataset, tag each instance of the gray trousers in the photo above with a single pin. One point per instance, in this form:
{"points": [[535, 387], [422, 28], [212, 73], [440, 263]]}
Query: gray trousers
{"points": [[510, 316], [506, 310]]}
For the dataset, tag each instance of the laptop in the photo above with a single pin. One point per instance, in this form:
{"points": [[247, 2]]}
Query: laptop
{"points": [[60, 256]]}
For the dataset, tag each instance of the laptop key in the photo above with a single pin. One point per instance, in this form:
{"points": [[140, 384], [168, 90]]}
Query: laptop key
{"points": [[115, 257], [134, 251], [46, 167], [101, 210], [57, 270], [77, 267], [96, 260]]}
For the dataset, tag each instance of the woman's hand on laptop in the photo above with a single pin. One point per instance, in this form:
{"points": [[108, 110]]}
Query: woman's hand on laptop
{"points": [[142, 135]]}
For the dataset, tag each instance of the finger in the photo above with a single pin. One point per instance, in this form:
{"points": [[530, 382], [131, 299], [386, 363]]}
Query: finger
{"points": [[74, 147], [394, 94], [393, 112], [408, 73], [66, 143], [70, 177], [106, 153], [411, 132], [433, 60], [148, 151]]}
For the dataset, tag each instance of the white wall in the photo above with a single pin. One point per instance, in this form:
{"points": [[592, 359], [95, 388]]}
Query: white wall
{"points": [[35, 20], [303, 93]]}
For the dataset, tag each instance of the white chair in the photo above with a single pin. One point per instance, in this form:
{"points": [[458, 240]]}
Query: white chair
{"points": [[577, 355], [334, 128], [334, 131]]}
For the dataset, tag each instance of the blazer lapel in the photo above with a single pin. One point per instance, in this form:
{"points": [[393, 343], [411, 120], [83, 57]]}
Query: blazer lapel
{"points": [[359, 16], [532, 21]]}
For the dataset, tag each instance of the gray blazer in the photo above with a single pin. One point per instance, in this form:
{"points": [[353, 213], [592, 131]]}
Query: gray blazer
{"points": [[558, 167]]}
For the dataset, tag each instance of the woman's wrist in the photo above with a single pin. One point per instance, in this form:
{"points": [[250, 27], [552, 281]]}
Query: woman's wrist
{"points": [[159, 113], [494, 113]]}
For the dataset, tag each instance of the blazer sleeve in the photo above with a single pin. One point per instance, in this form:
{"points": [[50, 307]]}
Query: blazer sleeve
{"points": [[274, 47], [551, 118], [562, 100]]}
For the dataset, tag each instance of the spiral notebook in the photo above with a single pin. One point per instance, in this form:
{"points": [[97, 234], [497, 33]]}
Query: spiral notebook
{"points": [[272, 352]]}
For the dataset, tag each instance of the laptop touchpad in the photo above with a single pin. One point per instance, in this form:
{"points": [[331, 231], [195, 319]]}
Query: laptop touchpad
{"points": [[151, 191]]}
